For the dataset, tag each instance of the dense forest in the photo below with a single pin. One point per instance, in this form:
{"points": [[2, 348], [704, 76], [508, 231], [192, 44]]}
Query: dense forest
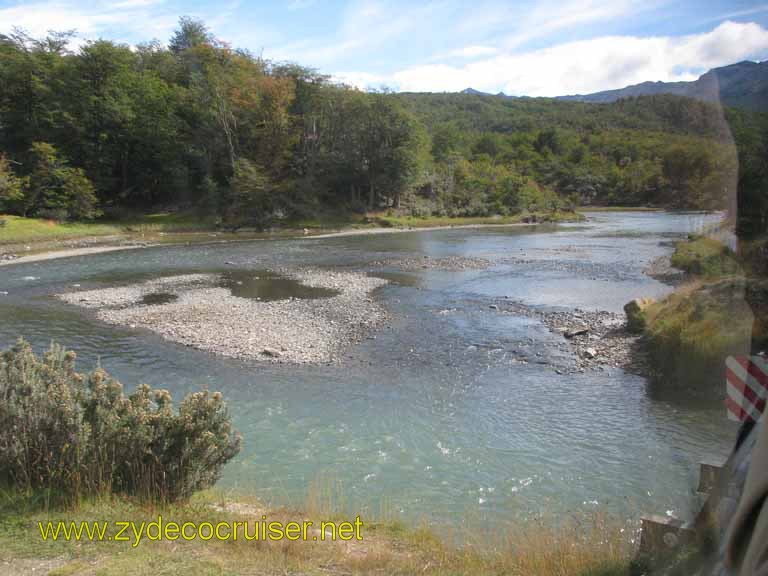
{"points": [[108, 129]]}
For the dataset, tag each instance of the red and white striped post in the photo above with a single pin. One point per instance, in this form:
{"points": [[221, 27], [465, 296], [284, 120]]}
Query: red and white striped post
{"points": [[746, 383]]}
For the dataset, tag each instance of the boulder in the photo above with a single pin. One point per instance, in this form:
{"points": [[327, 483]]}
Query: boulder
{"points": [[590, 353], [271, 352], [576, 332], [635, 311]]}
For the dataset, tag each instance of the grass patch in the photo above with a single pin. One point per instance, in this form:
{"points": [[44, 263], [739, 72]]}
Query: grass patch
{"points": [[619, 209], [591, 547], [17, 229], [435, 221], [705, 257], [693, 330], [167, 222], [329, 221]]}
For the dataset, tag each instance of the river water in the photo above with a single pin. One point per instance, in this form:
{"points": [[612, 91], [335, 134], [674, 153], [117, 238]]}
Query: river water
{"points": [[435, 418]]}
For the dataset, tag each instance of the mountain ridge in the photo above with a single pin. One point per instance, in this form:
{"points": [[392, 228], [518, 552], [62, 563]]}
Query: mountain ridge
{"points": [[743, 85]]}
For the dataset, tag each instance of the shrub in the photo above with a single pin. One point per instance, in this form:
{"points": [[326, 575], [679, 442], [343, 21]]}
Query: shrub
{"points": [[55, 214], [72, 434], [54, 186], [11, 188], [705, 257]]}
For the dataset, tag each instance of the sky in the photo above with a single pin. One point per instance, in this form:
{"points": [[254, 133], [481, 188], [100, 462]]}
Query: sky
{"points": [[533, 48]]}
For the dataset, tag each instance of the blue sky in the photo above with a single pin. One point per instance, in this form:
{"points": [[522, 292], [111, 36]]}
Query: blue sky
{"points": [[537, 47]]}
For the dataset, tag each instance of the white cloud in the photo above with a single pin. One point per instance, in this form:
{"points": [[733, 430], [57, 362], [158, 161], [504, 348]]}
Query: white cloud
{"points": [[38, 18], [474, 51], [593, 65], [132, 18], [361, 80], [523, 23]]}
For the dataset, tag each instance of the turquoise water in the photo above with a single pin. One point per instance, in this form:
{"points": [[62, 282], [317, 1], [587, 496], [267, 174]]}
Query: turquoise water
{"points": [[436, 417]]}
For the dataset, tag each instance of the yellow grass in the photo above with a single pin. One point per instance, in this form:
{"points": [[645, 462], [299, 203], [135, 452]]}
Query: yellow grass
{"points": [[593, 546]]}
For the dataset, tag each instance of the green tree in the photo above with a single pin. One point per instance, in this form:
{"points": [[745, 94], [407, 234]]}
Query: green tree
{"points": [[251, 199], [191, 33], [58, 190], [11, 189]]}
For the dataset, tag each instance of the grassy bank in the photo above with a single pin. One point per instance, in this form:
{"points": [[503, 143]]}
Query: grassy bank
{"points": [[17, 229], [705, 257], [692, 331], [42, 234], [592, 547], [620, 209], [435, 221]]}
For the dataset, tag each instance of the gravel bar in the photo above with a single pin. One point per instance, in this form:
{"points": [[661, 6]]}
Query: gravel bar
{"points": [[208, 317], [447, 263]]}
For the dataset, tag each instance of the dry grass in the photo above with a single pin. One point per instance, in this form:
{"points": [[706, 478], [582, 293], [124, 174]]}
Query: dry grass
{"points": [[692, 331], [591, 547]]}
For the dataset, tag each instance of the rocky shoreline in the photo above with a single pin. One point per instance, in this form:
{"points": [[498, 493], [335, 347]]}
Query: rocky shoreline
{"points": [[447, 263], [662, 270], [598, 339], [196, 311]]}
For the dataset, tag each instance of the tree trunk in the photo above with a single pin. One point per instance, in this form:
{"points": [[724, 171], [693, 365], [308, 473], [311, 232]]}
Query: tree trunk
{"points": [[371, 193], [124, 174]]}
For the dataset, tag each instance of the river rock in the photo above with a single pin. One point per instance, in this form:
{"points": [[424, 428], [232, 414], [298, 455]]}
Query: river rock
{"points": [[576, 332], [634, 310], [271, 352], [590, 353]]}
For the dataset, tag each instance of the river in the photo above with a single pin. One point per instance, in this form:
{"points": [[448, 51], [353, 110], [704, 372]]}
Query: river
{"points": [[436, 417]]}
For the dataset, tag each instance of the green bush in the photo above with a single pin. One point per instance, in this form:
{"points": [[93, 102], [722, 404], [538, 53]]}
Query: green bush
{"points": [[55, 187], [703, 256], [74, 435], [11, 187]]}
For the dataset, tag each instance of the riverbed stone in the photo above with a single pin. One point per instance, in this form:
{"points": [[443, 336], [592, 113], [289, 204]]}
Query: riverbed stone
{"points": [[576, 332]]}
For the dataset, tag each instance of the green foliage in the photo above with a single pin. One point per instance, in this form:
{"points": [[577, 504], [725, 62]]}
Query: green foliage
{"points": [[751, 132], [252, 197], [55, 189], [705, 257], [691, 332], [191, 33], [74, 435], [200, 124], [11, 188]]}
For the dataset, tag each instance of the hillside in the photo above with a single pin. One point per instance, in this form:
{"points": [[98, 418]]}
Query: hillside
{"points": [[200, 128], [744, 84]]}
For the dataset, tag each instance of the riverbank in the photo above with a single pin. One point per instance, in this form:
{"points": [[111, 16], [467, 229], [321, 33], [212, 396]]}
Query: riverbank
{"points": [[587, 546], [717, 310], [77, 240]]}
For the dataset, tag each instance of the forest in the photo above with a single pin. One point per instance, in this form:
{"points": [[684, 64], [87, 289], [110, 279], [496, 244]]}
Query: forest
{"points": [[109, 130]]}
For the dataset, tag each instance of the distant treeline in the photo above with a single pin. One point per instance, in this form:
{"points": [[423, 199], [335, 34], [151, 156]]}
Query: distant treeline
{"points": [[110, 129]]}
